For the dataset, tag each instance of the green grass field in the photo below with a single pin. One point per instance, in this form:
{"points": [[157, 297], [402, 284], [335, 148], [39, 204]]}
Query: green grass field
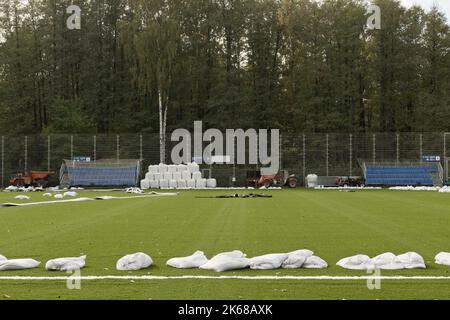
{"points": [[331, 223]]}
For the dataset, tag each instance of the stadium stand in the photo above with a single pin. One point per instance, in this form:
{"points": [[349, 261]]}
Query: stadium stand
{"points": [[421, 174], [104, 173]]}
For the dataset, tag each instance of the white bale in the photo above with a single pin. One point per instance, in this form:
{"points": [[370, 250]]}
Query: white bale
{"points": [[181, 184], [200, 184], [133, 262], [157, 176], [190, 183], [186, 175], [268, 261], [70, 194], [167, 176], [149, 176], [145, 184], [176, 176], [193, 167], [182, 168], [173, 184], [172, 168], [154, 184], [58, 196], [211, 183], [164, 184], [194, 261], [18, 264], [153, 169], [66, 264], [47, 195], [162, 168], [443, 258], [312, 180], [196, 175]]}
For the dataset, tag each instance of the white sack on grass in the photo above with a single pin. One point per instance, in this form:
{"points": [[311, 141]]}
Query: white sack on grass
{"points": [[70, 194], [145, 184], [12, 188], [227, 261], [296, 259], [196, 175], [387, 261], [66, 264], [186, 175], [357, 262], [133, 262], [442, 258], [2, 258], [190, 183], [47, 195], [58, 196], [268, 261], [211, 183], [18, 264], [200, 184], [154, 184], [22, 197], [173, 184], [315, 262], [411, 260], [164, 184], [193, 261]]}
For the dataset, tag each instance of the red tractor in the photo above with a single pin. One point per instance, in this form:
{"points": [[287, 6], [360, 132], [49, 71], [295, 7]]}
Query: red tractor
{"points": [[31, 178], [256, 180]]}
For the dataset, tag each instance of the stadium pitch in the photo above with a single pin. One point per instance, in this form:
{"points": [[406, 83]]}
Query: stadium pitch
{"points": [[331, 223]]}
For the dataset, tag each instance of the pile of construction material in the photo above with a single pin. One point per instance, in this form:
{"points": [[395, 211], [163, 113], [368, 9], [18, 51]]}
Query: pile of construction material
{"points": [[182, 176]]}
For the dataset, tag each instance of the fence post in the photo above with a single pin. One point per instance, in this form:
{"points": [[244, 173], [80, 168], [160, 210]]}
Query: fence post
{"points": [[26, 154], [374, 148], [95, 148], [3, 161], [421, 147], [141, 153], [118, 148], [71, 147], [326, 160], [48, 153], [351, 155], [304, 160], [398, 148]]}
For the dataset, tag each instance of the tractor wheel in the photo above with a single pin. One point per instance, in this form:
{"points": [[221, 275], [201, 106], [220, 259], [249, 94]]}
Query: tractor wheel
{"points": [[19, 183], [268, 183], [292, 183], [41, 183]]}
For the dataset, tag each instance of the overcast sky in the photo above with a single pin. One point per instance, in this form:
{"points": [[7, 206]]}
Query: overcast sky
{"points": [[444, 5]]}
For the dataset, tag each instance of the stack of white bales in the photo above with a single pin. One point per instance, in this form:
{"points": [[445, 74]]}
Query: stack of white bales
{"points": [[183, 176]]}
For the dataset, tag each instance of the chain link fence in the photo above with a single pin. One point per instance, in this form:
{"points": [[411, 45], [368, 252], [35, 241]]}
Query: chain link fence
{"points": [[300, 154]]}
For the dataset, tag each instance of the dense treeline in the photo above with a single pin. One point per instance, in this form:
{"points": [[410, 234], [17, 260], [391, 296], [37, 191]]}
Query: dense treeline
{"points": [[298, 65]]}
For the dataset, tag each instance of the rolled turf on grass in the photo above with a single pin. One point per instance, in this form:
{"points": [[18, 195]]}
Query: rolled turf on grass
{"points": [[333, 224]]}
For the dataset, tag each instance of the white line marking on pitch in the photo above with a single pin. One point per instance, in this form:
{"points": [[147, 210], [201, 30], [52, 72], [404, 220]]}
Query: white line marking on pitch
{"points": [[298, 278]]}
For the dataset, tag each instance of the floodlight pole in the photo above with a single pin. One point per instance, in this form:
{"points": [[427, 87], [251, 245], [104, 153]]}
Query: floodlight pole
{"points": [[141, 154], [95, 148], [304, 160], [71, 147], [48, 153]]}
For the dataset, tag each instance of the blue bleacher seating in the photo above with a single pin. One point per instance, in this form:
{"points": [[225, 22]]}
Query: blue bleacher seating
{"points": [[400, 175], [104, 176]]}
